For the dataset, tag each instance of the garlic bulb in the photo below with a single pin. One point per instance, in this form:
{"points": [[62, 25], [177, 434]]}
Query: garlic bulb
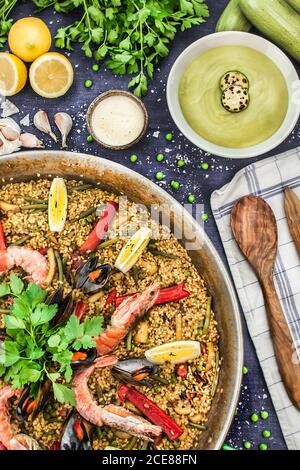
{"points": [[9, 136], [30, 141], [41, 122], [64, 123]]}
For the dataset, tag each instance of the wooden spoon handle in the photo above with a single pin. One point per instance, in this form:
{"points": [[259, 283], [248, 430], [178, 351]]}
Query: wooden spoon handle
{"points": [[286, 352]]}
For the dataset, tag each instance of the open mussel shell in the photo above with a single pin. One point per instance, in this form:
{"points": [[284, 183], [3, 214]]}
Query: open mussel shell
{"points": [[83, 273], [56, 297], [83, 358], [30, 406], [92, 277], [77, 433], [136, 370], [65, 306], [65, 310]]}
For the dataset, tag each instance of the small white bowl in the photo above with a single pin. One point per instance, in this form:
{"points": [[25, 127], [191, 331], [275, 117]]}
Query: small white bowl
{"points": [[234, 38]]}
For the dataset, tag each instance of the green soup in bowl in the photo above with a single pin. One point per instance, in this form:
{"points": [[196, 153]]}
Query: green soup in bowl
{"points": [[200, 97]]}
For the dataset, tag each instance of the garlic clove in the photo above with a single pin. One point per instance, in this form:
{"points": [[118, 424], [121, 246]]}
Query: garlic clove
{"points": [[64, 123], [9, 126], [41, 122], [30, 141], [8, 146]]}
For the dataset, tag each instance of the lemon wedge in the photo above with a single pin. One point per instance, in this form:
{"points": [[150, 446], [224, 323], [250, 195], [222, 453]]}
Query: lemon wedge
{"points": [[133, 249], [51, 75], [58, 204], [176, 352]]}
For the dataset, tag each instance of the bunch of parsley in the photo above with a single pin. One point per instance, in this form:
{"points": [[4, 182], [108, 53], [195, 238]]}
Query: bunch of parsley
{"points": [[34, 349], [5, 22], [131, 35]]}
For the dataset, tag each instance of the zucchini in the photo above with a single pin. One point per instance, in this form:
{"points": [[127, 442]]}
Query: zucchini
{"points": [[234, 77], [294, 4], [235, 99], [277, 21], [232, 19]]}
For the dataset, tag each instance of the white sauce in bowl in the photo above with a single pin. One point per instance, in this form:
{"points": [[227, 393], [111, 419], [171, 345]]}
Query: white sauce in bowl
{"points": [[117, 120]]}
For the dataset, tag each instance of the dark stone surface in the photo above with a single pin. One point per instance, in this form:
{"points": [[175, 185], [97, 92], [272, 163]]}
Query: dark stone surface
{"points": [[254, 395]]}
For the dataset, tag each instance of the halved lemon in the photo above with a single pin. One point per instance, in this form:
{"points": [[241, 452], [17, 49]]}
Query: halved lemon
{"points": [[176, 352], [58, 204], [51, 75], [13, 74], [133, 249]]}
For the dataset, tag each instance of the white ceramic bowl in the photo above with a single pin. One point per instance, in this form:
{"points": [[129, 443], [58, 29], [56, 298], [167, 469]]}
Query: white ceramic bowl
{"points": [[234, 38]]}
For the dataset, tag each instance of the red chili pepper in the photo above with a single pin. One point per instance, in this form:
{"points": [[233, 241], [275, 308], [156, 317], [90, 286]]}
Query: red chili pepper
{"points": [[168, 294], [2, 447], [55, 446], [43, 251], [155, 414], [80, 310], [2, 238], [182, 370], [100, 228], [111, 298]]}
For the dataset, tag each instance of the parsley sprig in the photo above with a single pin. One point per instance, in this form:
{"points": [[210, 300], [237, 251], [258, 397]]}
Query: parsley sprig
{"points": [[34, 349], [5, 21]]}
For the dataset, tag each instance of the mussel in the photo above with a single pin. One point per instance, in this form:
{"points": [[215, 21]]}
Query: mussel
{"points": [[136, 370], [77, 433], [30, 406], [83, 358], [65, 306], [92, 277]]}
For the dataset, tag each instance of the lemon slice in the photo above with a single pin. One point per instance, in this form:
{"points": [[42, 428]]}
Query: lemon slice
{"points": [[177, 352], [51, 75], [133, 249], [13, 74], [58, 203]]}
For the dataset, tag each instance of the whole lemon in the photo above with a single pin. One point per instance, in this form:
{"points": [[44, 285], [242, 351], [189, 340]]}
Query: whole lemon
{"points": [[29, 38]]}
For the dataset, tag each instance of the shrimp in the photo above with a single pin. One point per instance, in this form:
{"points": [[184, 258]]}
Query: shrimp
{"points": [[7, 434], [110, 415], [124, 317], [30, 260]]}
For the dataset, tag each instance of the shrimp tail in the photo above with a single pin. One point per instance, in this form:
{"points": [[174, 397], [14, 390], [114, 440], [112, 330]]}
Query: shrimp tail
{"points": [[119, 418]]}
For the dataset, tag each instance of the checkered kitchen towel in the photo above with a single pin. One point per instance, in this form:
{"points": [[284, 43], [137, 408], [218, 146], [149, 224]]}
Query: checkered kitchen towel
{"points": [[267, 179]]}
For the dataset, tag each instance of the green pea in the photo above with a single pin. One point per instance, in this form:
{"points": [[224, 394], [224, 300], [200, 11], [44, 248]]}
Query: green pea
{"points": [[227, 447], [247, 445], [245, 370], [88, 83], [180, 163], [204, 166], [95, 68], [191, 198], [263, 446], [159, 175], [254, 417], [264, 414], [169, 136], [160, 157], [266, 433], [204, 216], [90, 139], [133, 158], [175, 184]]}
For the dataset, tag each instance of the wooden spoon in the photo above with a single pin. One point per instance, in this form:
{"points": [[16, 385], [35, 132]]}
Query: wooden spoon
{"points": [[254, 227], [292, 212]]}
